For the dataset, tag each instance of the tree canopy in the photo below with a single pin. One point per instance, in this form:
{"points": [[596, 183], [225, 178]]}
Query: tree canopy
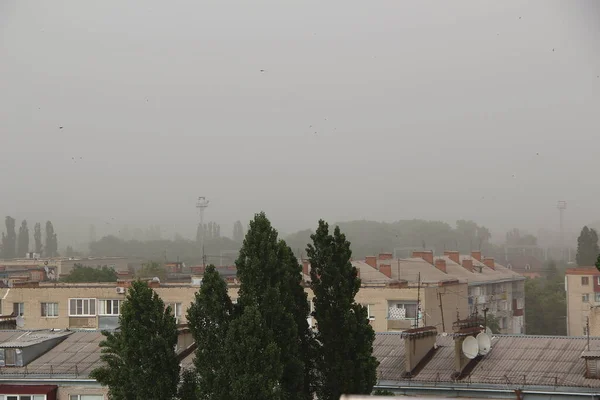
{"points": [[82, 274], [546, 303], [37, 238], [23, 240], [9, 240], [51, 246], [152, 269], [342, 323], [140, 359], [587, 247]]}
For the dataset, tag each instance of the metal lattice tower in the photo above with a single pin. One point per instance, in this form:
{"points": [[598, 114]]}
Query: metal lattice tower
{"points": [[562, 206], [201, 205]]}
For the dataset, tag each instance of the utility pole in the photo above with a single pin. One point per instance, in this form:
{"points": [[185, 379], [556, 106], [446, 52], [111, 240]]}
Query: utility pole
{"points": [[562, 206], [442, 312], [485, 310], [418, 302], [587, 328]]}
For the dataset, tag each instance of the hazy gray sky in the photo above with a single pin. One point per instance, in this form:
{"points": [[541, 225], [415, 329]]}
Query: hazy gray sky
{"points": [[422, 109]]}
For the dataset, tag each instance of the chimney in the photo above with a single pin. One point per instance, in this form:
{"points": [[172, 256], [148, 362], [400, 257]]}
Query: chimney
{"points": [[476, 255], [385, 256], [386, 269], [440, 264], [305, 267], [467, 264], [489, 262], [372, 261], [419, 346], [453, 255], [426, 255]]}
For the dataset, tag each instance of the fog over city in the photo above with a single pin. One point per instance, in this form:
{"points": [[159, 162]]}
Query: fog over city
{"points": [[123, 113]]}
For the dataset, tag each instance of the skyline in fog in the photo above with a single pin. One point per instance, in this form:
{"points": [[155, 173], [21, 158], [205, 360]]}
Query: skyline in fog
{"points": [[473, 110]]}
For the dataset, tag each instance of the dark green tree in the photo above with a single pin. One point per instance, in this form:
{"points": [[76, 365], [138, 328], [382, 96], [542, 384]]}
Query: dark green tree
{"points": [[23, 241], [253, 358], [152, 269], [345, 361], [270, 279], [37, 238], [493, 323], [209, 317], [380, 392], [140, 360], [9, 240], [188, 388], [587, 247], [238, 232], [51, 241], [81, 274]]}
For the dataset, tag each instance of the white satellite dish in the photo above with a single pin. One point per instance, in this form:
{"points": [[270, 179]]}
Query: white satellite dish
{"points": [[485, 343], [470, 347], [20, 322]]}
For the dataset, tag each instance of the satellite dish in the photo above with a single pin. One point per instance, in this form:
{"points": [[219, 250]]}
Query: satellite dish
{"points": [[20, 322], [156, 279], [470, 347], [484, 342], [488, 331]]}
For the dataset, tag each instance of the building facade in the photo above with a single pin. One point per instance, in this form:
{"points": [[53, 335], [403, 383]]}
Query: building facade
{"points": [[582, 285]]}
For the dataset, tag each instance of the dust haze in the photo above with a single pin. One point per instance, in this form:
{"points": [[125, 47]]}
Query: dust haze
{"points": [[123, 113]]}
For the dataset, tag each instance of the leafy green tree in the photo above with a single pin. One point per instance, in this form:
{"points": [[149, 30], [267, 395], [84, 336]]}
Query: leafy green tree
{"points": [[517, 238], [37, 238], [493, 323], [188, 388], [587, 247], [81, 274], [546, 305], [51, 241], [152, 269], [23, 240], [209, 317], [253, 358], [9, 240], [238, 232], [345, 363], [140, 360], [270, 279]]}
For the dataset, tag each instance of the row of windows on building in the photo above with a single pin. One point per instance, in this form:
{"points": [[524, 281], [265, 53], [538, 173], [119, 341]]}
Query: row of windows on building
{"points": [[586, 297], [85, 308], [43, 397], [585, 280]]}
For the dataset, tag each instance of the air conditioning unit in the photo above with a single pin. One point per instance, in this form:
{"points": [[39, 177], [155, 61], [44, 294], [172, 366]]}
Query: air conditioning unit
{"points": [[121, 290]]}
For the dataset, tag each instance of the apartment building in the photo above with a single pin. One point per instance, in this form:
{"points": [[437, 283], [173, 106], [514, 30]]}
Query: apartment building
{"points": [[491, 286], [582, 285], [392, 305]]}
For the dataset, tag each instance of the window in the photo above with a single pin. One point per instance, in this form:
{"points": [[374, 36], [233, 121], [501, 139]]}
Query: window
{"points": [[19, 308], [49, 310], [597, 298], [82, 307], [23, 397], [86, 397], [509, 266], [10, 357], [527, 267], [585, 280], [176, 310], [585, 298], [402, 310], [598, 283], [369, 312], [109, 307]]}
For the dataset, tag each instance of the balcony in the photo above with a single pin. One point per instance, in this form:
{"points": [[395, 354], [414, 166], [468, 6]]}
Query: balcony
{"points": [[400, 324]]}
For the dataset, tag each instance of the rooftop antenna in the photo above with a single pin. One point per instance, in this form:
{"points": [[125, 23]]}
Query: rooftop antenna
{"points": [[562, 206], [418, 302], [201, 205]]}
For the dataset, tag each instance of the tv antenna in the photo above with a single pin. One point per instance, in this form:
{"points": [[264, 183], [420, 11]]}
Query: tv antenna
{"points": [[562, 206]]}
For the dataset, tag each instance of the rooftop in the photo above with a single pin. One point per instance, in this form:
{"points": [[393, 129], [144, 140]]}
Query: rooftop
{"points": [[513, 359], [22, 339]]}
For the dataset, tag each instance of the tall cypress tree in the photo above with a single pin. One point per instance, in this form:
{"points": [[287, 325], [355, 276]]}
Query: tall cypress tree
{"points": [[345, 362], [37, 238], [23, 241], [238, 232], [9, 240], [209, 317], [270, 281], [140, 359], [587, 247], [253, 358], [51, 241]]}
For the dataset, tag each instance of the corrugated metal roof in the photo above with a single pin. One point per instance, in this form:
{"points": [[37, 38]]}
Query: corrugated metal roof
{"points": [[22, 339], [513, 359]]}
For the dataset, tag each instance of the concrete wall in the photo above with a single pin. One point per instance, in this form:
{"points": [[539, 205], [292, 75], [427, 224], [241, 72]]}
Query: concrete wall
{"points": [[577, 309], [64, 392]]}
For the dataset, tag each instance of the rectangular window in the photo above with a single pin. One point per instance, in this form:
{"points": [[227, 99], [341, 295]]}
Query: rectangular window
{"points": [[369, 312], [585, 298], [597, 299], [585, 280], [82, 307], [19, 308], [23, 397], [176, 310], [402, 310], [49, 310], [599, 280], [86, 397], [109, 307], [10, 357]]}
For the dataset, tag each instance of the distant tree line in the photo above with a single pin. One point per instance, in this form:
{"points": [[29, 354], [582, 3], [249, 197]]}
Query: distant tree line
{"points": [[17, 246], [83, 274], [261, 347]]}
